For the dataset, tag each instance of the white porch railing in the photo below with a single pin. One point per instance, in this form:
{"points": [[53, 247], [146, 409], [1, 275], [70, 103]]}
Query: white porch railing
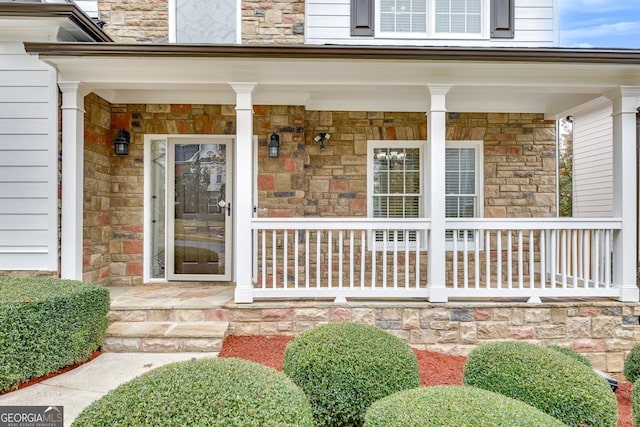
{"points": [[373, 258], [340, 257], [531, 258]]}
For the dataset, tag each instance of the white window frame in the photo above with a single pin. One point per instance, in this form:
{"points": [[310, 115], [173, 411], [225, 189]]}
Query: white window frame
{"points": [[478, 147], [431, 25], [372, 145]]}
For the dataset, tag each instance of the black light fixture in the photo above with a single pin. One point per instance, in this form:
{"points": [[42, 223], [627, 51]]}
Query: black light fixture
{"points": [[322, 137], [274, 146], [122, 143]]}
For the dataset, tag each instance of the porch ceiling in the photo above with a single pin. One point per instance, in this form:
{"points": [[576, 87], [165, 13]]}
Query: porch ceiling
{"points": [[348, 83]]}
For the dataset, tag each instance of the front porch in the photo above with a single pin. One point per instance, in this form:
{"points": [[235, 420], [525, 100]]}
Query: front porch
{"points": [[149, 318]]}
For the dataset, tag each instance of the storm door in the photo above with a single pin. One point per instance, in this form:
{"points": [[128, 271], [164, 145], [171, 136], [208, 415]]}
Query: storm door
{"points": [[191, 211]]}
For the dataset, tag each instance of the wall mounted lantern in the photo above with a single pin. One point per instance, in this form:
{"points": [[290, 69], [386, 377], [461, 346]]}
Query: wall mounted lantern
{"points": [[122, 143], [322, 138], [274, 146]]}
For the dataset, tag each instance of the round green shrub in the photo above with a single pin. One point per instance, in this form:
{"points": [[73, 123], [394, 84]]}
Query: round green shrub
{"points": [[344, 367], [635, 403], [454, 406], [574, 354], [544, 378], [207, 392], [632, 365]]}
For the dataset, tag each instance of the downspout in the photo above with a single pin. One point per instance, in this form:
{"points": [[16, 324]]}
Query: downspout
{"points": [[638, 188]]}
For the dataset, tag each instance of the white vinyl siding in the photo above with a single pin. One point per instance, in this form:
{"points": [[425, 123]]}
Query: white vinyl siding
{"points": [[592, 162], [28, 162], [328, 22]]}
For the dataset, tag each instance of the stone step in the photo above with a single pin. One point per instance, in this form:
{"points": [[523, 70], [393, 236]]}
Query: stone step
{"points": [[164, 337], [168, 314]]}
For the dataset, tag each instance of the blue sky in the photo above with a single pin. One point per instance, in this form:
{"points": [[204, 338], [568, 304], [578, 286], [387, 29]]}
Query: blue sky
{"points": [[600, 23]]}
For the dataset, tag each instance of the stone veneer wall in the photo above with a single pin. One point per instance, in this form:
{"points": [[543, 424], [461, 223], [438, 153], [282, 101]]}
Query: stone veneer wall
{"points": [[273, 22], [603, 331], [135, 21], [147, 21], [98, 147]]}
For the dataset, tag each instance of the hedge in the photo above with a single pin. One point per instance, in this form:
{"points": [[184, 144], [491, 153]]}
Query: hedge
{"points": [[206, 392], [544, 378], [454, 406], [632, 364], [573, 354], [47, 324], [344, 367], [635, 403]]}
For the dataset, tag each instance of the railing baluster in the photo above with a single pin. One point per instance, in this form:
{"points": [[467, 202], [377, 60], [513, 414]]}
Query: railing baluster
{"points": [[586, 267], [274, 261], [318, 253], [543, 255], [487, 256], [465, 259], [285, 257], [607, 259], [351, 259], [596, 259], [296, 244], [563, 258], [385, 243], [306, 259], [520, 261], [509, 260], [263, 235], [454, 257], [575, 247], [554, 257], [340, 260], [531, 261], [406, 259], [499, 259], [418, 259], [374, 272], [476, 256], [329, 258], [363, 256], [395, 259]]}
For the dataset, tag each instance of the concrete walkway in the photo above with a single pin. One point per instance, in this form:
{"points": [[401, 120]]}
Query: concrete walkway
{"points": [[76, 389]]}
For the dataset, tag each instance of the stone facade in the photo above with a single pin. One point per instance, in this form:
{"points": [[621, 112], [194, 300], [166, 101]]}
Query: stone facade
{"points": [[304, 181], [605, 332], [96, 241], [147, 21]]}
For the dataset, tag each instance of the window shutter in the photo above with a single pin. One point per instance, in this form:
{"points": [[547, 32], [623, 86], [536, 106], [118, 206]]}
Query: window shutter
{"points": [[362, 18], [502, 19]]}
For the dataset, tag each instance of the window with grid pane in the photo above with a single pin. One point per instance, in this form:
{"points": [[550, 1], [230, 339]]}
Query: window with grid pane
{"points": [[403, 16], [397, 191], [461, 196], [458, 16]]}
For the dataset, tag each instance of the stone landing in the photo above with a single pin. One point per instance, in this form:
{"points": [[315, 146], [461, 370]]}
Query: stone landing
{"points": [[161, 318]]}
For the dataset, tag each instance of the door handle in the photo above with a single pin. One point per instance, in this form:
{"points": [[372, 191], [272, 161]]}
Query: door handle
{"points": [[228, 209]]}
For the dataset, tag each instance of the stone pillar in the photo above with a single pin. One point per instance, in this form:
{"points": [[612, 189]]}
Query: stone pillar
{"points": [[73, 94], [243, 193], [436, 138], [625, 102]]}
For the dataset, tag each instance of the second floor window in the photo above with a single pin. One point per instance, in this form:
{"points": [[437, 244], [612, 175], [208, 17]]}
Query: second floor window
{"points": [[193, 21], [431, 17]]}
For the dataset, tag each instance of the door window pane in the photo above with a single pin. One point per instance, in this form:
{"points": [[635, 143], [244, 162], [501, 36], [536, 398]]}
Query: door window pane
{"points": [[211, 21]]}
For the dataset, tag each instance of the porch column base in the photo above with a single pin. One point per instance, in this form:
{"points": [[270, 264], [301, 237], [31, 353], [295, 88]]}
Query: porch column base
{"points": [[243, 295], [438, 295], [629, 294]]}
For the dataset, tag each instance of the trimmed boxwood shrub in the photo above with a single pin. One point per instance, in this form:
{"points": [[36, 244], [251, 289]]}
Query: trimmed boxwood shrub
{"points": [[344, 367], [632, 365], [454, 406], [574, 354], [46, 324], [544, 378], [635, 403], [206, 392]]}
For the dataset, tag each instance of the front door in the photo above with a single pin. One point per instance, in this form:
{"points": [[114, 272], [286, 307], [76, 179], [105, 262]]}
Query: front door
{"points": [[191, 210]]}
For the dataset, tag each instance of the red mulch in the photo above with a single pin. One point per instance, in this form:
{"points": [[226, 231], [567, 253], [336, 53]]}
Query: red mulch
{"points": [[435, 368]]}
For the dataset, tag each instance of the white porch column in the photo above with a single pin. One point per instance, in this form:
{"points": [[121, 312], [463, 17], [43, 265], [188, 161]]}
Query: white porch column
{"points": [[73, 94], [436, 135], [243, 200], [625, 102]]}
